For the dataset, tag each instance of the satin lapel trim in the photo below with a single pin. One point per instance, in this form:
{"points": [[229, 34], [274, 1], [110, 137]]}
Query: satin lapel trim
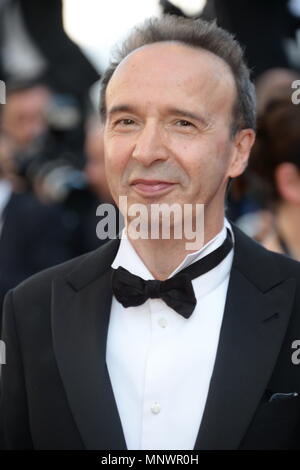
{"points": [[78, 315], [247, 352]]}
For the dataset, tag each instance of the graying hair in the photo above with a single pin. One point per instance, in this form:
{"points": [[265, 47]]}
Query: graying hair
{"points": [[200, 34]]}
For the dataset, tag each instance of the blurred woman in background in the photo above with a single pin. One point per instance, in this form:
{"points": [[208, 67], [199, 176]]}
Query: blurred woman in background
{"points": [[276, 163]]}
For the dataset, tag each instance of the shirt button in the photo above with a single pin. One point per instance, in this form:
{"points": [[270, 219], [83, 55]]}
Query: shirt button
{"points": [[162, 322], [155, 408]]}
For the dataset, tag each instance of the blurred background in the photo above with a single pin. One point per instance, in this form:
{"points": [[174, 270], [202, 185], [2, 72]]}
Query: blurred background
{"points": [[52, 179]]}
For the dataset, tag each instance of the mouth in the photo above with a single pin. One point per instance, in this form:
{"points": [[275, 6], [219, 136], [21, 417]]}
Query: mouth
{"points": [[150, 187]]}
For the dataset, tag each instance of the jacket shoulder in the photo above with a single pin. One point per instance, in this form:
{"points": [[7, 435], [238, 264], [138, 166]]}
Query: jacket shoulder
{"points": [[87, 266], [259, 263]]}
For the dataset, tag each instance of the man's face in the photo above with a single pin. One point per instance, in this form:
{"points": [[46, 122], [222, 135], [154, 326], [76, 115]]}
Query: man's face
{"points": [[167, 132], [24, 115]]}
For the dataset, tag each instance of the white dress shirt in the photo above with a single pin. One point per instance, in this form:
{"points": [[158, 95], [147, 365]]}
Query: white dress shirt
{"points": [[160, 364]]}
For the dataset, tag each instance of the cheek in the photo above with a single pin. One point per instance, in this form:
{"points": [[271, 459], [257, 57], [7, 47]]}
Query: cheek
{"points": [[205, 163], [195, 158]]}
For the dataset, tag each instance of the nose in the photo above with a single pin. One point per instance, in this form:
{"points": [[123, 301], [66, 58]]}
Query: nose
{"points": [[150, 145]]}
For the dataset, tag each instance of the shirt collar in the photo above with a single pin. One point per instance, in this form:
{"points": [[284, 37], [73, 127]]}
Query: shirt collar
{"points": [[128, 258]]}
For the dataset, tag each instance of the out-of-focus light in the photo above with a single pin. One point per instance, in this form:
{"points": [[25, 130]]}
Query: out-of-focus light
{"points": [[190, 7], [96, 25]]}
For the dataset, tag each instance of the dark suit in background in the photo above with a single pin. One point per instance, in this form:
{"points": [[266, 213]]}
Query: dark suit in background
{"points": [[68, 70], [260, 26], [32, 238]]}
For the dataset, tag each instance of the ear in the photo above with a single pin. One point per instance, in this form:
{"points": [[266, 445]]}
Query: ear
{"points": [[287, 180], [242, 144]]}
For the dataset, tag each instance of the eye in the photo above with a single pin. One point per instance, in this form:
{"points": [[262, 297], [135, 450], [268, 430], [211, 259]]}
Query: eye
{"points": [[125, 122], [184, 123]]}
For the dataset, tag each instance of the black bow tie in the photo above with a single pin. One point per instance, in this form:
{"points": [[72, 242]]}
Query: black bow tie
{"points": [[177, 292]]}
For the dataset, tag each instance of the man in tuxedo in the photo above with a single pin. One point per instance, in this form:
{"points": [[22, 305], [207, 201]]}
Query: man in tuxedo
{"points": [[146, 343]]}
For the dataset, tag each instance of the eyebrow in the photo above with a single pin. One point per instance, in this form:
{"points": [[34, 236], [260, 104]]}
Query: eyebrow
{"points": [[120, 108], [183, 112]]}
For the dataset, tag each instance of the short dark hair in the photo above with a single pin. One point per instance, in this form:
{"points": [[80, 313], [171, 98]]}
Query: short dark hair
{"points": [[200, 34], [19, 85]]}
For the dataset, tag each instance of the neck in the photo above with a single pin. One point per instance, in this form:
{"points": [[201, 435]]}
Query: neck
{"points": [[288, 224], [163, 256]]}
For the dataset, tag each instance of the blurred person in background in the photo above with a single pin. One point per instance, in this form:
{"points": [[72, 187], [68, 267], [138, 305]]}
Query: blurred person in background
{"points": [[36, 123], [34, 126], [246, 199], [41, 139], [34, 44], [32, 236], [275, 161], [24, 114], [24, 128], [272, 85]]}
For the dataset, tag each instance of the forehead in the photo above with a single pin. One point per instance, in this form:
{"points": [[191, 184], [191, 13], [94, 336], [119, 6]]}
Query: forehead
{"points": [[170, 72]]}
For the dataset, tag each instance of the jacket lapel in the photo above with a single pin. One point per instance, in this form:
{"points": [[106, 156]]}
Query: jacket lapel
{"points": [[81, 309], [257, 310]]}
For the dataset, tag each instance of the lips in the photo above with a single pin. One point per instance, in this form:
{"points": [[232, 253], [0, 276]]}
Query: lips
{"points": [[151, 186]]}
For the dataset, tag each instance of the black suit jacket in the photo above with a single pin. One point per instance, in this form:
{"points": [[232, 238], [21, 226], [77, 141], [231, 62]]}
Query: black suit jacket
{"points": [[56, 392]]}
